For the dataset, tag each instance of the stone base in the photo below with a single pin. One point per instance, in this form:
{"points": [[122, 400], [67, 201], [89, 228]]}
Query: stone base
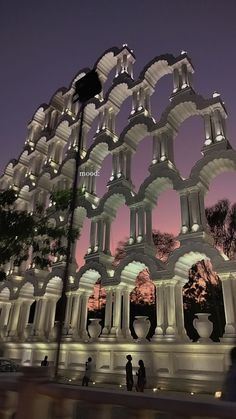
{"points": [[198, 366]]}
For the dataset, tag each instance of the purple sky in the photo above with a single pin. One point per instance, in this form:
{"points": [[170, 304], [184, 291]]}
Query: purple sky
{"points": [[44, 44]]}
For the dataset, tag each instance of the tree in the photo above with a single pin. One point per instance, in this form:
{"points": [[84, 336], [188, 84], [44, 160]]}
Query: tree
{"points": [[221, 219], [21, 230], [165, 244]]}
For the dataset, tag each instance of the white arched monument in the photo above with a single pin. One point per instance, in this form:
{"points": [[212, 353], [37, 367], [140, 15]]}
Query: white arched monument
{"points": [[47, 163]]}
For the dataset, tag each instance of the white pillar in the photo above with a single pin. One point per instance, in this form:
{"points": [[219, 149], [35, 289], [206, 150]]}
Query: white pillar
{"points": [[208, 129], [147, 101], [128, 165], [171, 329], [100, 234], [228, 292], [202, 211], [141, 222], [68, 313], [121, 162], [218, 126], [133, 232], [185, 216], [163, 147], [75, 316], [13, 318], [126, 314], [39, 318], [108, 313], [155, 149], [115, 330], [114, 165], [107, 236], [92, 234], [23, 319], [51, 311], [176, 80], [135, 101], [184, 72], [5, 311], [160, 310], [149, 239], [194, 210], [84, 315], [179, 311]]}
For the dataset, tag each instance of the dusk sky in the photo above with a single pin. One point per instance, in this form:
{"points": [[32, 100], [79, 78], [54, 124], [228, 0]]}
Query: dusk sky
{"points": [[44, 44]]}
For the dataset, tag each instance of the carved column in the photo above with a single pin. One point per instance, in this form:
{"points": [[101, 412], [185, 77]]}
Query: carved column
{"points": [[134, 101], [176, 80], [179, 313], [218, 126], [4, 316], [23, 319], [148, 212], [50, 322], [39, 317], [84, 315], [13, 318], [128, 156], [121, 163], [160, 311], [171, 330], [155, 149], [92, 234], [185, 217], [126, 314], [208, 129], [108, 313], [68, 313], [107, 236], [75, 315], [115, 330], [133, 233], [114, 165], [100, 235], [228, 292], [140, 223]]}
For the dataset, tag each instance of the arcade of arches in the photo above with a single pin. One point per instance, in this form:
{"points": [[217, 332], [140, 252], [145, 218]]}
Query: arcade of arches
{"points": [[30, 297]]}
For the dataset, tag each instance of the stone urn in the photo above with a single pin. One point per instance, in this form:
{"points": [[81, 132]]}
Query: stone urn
{"points": [[203, 326], [141, 326], [94, 328]]}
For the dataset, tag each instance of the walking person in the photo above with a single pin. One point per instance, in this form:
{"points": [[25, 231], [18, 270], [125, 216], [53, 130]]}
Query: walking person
{"points": [[141, 377], [45, 362], [88, 372], [129, 373]]}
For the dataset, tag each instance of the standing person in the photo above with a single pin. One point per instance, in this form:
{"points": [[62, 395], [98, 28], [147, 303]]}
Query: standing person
{"points": [[229, 387], [88, 372], [45, 362], [129, 373], [141, 377]]}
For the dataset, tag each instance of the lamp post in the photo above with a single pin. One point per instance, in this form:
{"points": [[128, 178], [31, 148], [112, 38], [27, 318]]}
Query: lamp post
{"points": [[85, 88]]}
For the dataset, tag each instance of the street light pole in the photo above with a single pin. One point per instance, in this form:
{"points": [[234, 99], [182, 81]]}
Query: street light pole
{"points": [[85, 88]]}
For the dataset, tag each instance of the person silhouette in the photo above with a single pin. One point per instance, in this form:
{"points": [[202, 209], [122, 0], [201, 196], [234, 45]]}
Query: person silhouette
{"points": [[141, 376], [45, 362], [229, 388], [129, 373], [88, 372]]}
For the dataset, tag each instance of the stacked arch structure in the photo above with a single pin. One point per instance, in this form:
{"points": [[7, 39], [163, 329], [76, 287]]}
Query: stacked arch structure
{"points": [[46, 164]]}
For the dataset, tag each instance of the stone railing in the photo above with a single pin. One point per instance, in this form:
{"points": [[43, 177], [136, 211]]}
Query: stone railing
{"points": [[33, 395]]}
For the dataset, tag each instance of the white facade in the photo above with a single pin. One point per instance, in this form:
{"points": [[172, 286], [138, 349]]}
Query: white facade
{"points": [[47, 163]]}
